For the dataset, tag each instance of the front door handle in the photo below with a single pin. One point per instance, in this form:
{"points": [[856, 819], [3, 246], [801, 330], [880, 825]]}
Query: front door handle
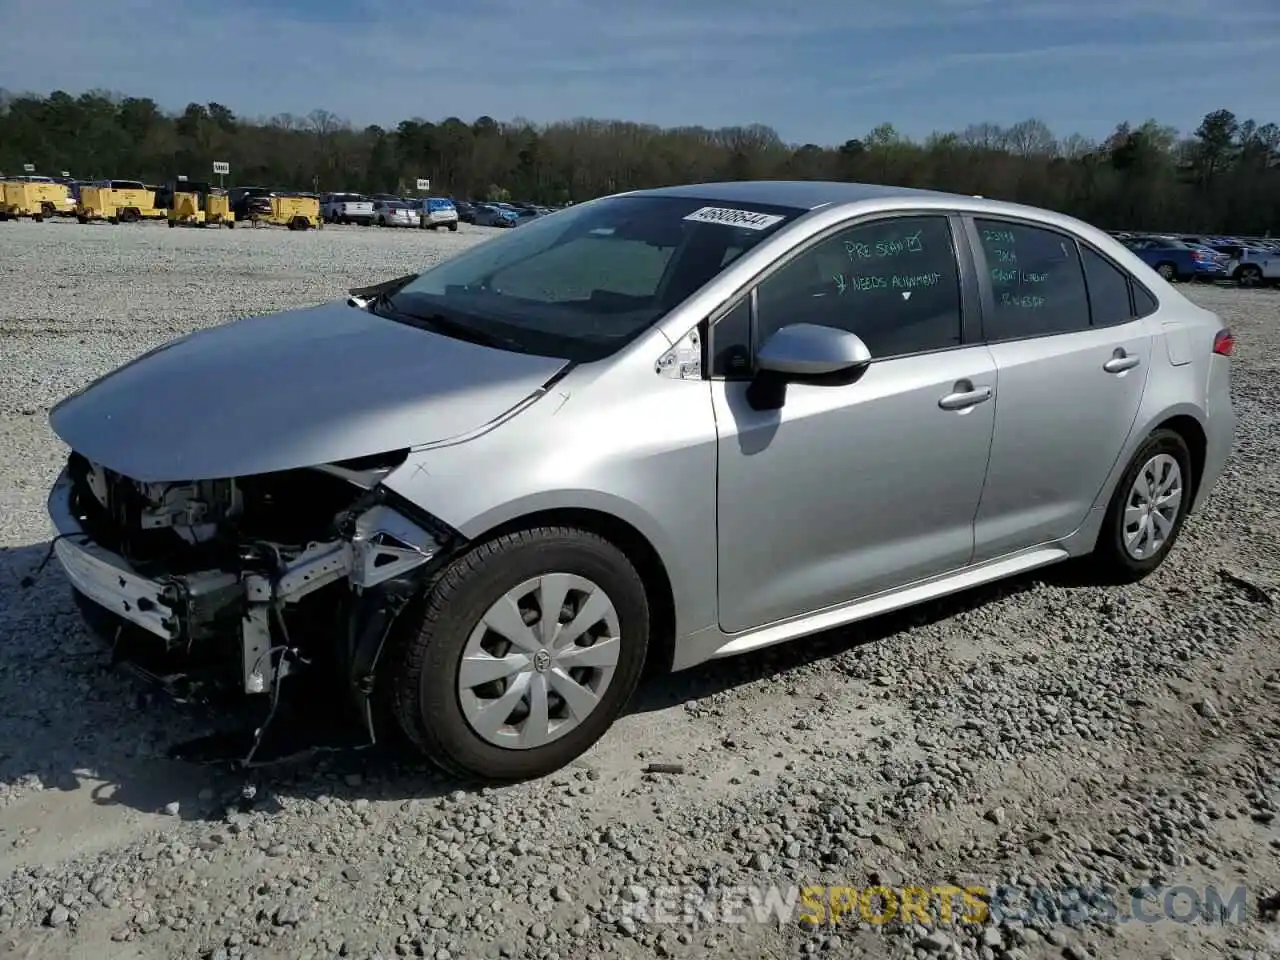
{"points": [[1121, 362], [966, 398]]}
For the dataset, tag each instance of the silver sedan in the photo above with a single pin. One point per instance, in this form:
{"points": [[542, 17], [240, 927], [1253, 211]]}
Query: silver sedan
{"points": [[650, 430], [396, 213]]}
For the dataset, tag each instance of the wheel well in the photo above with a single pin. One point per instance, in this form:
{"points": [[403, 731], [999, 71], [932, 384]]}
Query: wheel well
{"points": [[638, 549], [1193, 434]]}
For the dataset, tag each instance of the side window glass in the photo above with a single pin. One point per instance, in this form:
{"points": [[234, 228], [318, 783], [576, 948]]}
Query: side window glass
{"points": [[731, 342], [1037, 281], [1108, 290], [1145, 303], [893, 282]]}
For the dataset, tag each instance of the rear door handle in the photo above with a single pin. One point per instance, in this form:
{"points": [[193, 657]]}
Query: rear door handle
{"points": [[963, 399], [1121, 362]]}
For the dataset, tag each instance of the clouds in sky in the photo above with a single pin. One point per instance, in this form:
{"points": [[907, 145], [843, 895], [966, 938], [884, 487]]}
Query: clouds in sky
{"points": [[821, 70]]}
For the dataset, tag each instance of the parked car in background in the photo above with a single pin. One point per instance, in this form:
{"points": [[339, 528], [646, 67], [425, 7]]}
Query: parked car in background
{"points": [[494, 215], [247, 202], [437, 212], [1252, 265], [347, 208], [1175, 260], [395, 213], [466, 210], [481, 526]]}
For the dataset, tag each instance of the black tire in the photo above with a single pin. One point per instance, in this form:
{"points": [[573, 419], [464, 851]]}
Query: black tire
{"points": [[1249, 275], [1168, 270], [1111, 560], [421, 668], [453, 227], [172, 224], [37, 217]]}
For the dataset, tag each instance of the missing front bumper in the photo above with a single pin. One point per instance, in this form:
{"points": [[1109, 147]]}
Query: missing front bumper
{"points": [[239, 617]]}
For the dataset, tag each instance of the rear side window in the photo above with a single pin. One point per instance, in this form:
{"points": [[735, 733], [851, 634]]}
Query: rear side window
{"points": [[1037, 281], [1108, 290], [1144, 302]]}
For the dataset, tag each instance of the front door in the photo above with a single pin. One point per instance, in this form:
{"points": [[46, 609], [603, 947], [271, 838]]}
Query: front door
{"points": [[850, 489]]}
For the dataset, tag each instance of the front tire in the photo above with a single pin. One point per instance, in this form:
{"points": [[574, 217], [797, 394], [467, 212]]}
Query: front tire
{"points": [[489, 688], [1147, 510]]}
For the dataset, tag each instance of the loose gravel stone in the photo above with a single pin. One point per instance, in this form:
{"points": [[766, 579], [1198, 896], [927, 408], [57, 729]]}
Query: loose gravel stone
{"points": [[1045, 735]]}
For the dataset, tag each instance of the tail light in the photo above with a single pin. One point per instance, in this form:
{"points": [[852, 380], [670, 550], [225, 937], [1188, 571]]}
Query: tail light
{"points": [[1224, 343], [1199, 256]]}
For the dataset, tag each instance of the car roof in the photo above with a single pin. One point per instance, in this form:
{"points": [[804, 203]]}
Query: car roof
{"points": [[811, 195], [803, 194]]}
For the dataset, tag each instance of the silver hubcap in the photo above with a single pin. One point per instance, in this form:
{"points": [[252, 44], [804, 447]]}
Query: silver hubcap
{"points": [[539, 661], [1152, 508]]}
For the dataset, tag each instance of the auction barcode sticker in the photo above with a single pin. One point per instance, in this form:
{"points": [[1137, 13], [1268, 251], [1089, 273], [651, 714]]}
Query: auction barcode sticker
{"points": [[734, 218]]}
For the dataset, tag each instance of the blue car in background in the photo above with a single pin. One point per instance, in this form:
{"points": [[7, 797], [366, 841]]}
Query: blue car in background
{"points": [[1175, 260]]}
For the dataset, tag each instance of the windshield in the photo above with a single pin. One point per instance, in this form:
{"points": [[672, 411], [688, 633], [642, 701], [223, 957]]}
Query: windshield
{"points": [[583, 282]]}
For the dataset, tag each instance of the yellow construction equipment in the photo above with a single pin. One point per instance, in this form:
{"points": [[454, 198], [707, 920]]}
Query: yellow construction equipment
{"points": [[118, 201], [292, 210], [199, 204], [36, 197]]}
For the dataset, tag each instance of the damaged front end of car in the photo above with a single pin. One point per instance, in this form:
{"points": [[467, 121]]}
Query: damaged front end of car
{"points": [[235, 586]]}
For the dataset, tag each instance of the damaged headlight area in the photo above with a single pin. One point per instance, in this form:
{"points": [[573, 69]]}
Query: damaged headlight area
{"points": [[238, 583]]}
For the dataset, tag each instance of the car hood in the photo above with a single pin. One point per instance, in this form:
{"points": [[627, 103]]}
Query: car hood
{"points": [[290, 390]]}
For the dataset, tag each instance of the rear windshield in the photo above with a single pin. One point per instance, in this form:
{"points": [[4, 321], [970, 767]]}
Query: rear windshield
{"points": [[127, 185], [584, 282], [436, 203]]}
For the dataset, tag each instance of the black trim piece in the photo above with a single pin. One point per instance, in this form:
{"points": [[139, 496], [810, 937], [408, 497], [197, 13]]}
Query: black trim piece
{"points": [[970, 289]]}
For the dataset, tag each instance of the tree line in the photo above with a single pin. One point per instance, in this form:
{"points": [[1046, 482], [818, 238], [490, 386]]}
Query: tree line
{"points": [[1224, 177]]}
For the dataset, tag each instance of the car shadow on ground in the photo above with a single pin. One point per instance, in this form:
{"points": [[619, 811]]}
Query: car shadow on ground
{"points": [[73, 722]]}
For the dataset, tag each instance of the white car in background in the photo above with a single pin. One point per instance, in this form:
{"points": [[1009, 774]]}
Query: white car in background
{"points": [[395, 213], [437, 212], [346, 208]]}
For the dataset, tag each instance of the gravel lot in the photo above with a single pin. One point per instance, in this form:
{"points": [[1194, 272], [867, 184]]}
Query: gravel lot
{"points": [[1039, 733]]}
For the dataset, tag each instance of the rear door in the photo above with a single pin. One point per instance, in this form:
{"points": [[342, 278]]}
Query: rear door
{"points": [[1072, 362]]}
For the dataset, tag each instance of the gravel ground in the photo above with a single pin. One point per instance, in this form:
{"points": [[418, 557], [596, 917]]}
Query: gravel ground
{"points": [[1043, 734]]}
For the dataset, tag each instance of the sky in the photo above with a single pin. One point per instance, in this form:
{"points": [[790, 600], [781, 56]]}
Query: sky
{"points": [[819, 71]]}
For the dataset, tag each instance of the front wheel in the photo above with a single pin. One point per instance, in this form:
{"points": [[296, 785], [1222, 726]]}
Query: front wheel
{"points": [[523, 654], [453, 227], [1147, 510]]}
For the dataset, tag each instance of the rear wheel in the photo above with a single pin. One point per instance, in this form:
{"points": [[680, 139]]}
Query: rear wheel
{"points": [[1147, 510], [1168, 271], [453, 227], [1249, 275], [523, 654]]}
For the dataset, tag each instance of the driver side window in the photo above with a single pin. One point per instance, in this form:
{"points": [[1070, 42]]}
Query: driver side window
{"points": [[894, 282]]}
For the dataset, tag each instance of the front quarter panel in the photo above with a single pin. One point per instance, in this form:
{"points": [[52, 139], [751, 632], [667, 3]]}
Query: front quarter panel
{"points": [[612, 437]]}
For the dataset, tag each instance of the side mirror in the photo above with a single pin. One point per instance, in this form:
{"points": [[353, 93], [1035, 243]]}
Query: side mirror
{"points": [[812, 350]]}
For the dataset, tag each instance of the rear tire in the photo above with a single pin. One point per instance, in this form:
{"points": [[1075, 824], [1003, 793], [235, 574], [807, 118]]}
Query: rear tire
{"points": [[425, 659], [1249, 275], [1165, 461], [1168, 270], [453, 227]]}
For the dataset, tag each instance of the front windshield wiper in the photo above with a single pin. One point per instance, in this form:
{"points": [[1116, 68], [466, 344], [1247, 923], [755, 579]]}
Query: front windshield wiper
{"points": [[451, 326], [379, 293]]}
